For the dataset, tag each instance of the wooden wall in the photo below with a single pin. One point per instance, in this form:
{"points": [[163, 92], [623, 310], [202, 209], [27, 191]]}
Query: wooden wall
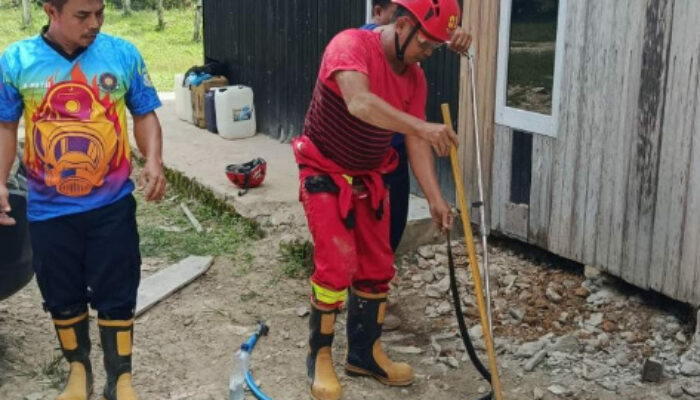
{"points": [[619, 187], [480, 19]]}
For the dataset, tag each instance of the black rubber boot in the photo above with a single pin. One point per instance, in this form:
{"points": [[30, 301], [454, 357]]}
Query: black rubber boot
{"points": [[74, 336], [366, 357], [117, 338], [323, 382]]}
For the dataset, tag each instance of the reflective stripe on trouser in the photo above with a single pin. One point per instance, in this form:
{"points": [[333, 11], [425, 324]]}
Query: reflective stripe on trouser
{"points": [[359, 257]]}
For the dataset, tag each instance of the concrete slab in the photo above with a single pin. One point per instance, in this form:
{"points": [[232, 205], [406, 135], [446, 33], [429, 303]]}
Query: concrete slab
{"points": [[203, 156]]}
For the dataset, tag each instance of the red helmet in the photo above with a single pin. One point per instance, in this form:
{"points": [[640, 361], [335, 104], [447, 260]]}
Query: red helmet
{"points": [[439, 18], [248, 175]]}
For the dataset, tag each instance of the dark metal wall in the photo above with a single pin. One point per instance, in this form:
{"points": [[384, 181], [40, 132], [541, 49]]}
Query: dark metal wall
{"points": [[275, 47]]}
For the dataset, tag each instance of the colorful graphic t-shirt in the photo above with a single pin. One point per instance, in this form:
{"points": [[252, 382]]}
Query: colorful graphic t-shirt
{"points": [[77, 145]]}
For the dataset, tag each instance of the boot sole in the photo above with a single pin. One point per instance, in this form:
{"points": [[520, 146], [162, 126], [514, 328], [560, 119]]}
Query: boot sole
{"points": [[89, 391], [314, 397], [357, 371]]}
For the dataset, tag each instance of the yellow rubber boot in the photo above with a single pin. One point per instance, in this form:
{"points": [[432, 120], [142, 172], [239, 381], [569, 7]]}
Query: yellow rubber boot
{"points": [[117, 339], [366, 357], [323, 381], [74, 336]]}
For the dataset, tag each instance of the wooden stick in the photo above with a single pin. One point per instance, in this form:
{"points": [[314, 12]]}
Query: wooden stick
{"points": [[192, 218], [473, 263]]}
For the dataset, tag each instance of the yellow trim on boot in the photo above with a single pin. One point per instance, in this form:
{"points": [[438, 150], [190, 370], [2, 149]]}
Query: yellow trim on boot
{"points": [[328, 324], [115, 323], [325, 385], [125, 390], [370, 296], [124, 343], [328, 296], [68, 339], [77, 387], [381, 313], [398, 374], [72, 321]]}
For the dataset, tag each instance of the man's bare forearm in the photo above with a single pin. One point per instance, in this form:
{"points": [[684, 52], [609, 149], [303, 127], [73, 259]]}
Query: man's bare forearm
{"points": [[373, 110], [422, 160], [8, 149], [149, 136]]}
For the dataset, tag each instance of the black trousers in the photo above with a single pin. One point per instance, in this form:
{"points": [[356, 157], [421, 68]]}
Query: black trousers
{"points": [[89, 258], [399, 190]]}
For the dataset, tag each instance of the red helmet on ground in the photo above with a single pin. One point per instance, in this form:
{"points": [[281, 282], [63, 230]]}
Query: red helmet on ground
{"points": [[247, 175], [438, 18]]}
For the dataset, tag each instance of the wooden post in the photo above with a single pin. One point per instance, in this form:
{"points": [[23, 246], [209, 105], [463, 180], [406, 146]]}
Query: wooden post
{"points": [[197, 22], [26, 14], [486, 328], [127, 7], [480, 19], [161, 17]]}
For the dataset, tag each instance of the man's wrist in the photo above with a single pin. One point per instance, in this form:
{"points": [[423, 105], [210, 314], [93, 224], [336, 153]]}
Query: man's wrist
{"points": [[433, 199], [157, 160]]}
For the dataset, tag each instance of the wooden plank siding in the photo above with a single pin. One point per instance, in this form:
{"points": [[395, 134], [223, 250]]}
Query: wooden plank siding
{"points": [[684, 254], [619, 186], [501, 175], [480, 19]]}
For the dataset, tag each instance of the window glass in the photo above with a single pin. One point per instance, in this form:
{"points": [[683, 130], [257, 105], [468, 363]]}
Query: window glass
{"points": [[533, 36]]}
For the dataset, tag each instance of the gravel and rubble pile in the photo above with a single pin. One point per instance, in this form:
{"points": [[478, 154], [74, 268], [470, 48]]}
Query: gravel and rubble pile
{"points": [[581, 326]]}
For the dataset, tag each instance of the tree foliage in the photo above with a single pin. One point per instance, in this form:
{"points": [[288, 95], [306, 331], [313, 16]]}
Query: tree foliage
{"points": [[135, 4]]}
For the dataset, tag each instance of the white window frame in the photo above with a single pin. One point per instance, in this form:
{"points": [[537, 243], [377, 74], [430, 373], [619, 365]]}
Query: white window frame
{"points": [[515, 118], [369, 11]]}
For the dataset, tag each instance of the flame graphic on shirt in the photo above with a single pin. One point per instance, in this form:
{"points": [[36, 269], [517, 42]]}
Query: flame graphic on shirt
{"points": [[77, 136]]}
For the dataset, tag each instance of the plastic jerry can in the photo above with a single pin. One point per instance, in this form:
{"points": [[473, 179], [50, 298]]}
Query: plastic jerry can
{"points": [[183, 99], [198, 93], [210, 110], [235, 112]]}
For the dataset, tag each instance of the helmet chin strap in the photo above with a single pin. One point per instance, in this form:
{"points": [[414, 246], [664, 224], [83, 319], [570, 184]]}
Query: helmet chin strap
{"points": [[401, 49]]}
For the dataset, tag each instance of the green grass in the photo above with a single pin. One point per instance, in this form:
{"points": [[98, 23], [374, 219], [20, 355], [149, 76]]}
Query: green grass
{"points": [[296, 258], [166, 52], [166, 232], [52, 371]]}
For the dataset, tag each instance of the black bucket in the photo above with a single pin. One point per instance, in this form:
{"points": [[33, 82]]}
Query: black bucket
{"points": [[15, 246]]}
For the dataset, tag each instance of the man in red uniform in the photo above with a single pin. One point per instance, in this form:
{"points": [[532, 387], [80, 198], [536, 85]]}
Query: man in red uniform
{"points": [[369, 86]]}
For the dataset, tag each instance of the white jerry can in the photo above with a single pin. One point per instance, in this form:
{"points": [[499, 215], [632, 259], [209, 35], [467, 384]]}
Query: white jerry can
{"points": [[183, 99], [235, 112]]}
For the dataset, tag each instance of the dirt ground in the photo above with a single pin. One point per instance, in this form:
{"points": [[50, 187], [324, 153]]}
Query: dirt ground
{"points": [[185, 345]]}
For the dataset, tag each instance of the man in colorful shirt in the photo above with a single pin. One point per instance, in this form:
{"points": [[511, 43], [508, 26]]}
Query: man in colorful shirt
{"points": [[369, 86], [73, 86]]}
